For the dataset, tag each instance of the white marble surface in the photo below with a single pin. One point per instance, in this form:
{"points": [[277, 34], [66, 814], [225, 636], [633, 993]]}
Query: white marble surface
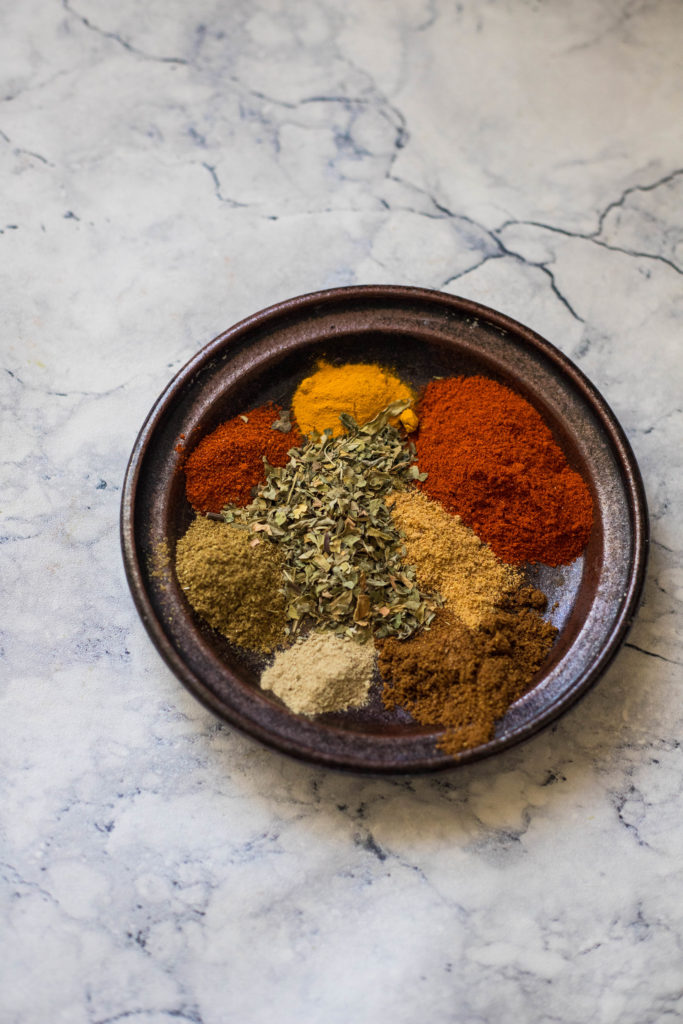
{"points": [[168, 168]]}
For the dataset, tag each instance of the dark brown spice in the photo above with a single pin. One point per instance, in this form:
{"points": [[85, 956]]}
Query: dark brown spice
{"points": [[464, 680]]}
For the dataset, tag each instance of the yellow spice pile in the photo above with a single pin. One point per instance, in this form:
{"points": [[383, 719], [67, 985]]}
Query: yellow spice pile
{"points": [[361, 389]]}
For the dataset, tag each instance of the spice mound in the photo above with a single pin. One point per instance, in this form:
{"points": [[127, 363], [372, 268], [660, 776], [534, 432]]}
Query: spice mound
{"points": [[466, 679], [322, 673], [360, 389], [228, 463], [343, 557], [449, 558], [233, 583], [490, 458]]}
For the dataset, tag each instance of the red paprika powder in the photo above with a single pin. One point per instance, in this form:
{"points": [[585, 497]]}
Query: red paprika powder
{"points": [[228, 462], [491, 459]]}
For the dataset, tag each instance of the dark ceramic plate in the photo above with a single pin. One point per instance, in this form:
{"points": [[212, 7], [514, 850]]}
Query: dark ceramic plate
{"points": [[420, 334]]}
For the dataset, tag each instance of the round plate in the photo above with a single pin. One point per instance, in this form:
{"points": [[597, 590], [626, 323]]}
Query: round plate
{"points": [[420, 334]]}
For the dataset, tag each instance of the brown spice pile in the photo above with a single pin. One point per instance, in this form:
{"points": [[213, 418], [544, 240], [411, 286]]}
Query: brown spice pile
{"points": [[449, 557], [466, 679]]}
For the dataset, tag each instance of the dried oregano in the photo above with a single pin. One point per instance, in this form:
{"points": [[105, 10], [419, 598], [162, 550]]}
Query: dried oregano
{"points": [[343, 555]]}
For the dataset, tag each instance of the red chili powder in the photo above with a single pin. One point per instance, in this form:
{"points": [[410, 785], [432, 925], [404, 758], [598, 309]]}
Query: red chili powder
{"points": [[492, 460], [228, 462]]}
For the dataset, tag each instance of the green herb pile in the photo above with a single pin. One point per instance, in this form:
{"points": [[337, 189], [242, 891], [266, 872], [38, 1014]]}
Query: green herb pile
{"points": [[343, 556]]}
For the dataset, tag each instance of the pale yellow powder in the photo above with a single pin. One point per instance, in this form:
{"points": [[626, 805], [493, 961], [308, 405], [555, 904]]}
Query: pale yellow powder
{"points": [[449, 557], [322, 673]]}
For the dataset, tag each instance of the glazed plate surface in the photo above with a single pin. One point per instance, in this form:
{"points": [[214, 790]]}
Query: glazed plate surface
{"points": [[419, 334]]}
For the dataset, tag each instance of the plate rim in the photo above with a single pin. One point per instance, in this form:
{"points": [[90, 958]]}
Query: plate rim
{"points": [[628, 470]]}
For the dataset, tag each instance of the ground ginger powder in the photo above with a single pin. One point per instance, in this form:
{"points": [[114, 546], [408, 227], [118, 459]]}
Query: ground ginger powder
{"points": [[323, 672], [361, 389], [449, 557], [233, 583]]}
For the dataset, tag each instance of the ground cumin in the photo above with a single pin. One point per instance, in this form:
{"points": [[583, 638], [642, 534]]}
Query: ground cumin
{"points": [[234, 582], [491, 459], [464, 680], [450, 559]]}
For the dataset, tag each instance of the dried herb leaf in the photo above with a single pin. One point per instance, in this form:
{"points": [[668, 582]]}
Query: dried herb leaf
{"points": [[284, 422]]}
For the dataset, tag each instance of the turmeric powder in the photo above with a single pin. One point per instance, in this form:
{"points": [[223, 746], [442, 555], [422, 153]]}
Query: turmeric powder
{"points": [[464, 680], [361, 389]]}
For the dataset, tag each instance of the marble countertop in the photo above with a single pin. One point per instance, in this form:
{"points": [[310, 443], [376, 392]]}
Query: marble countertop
{"points": [[169, 168]]}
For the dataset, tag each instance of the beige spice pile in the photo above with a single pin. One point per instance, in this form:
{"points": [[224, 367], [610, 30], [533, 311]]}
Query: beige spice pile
{"points": [[323, 672]]}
